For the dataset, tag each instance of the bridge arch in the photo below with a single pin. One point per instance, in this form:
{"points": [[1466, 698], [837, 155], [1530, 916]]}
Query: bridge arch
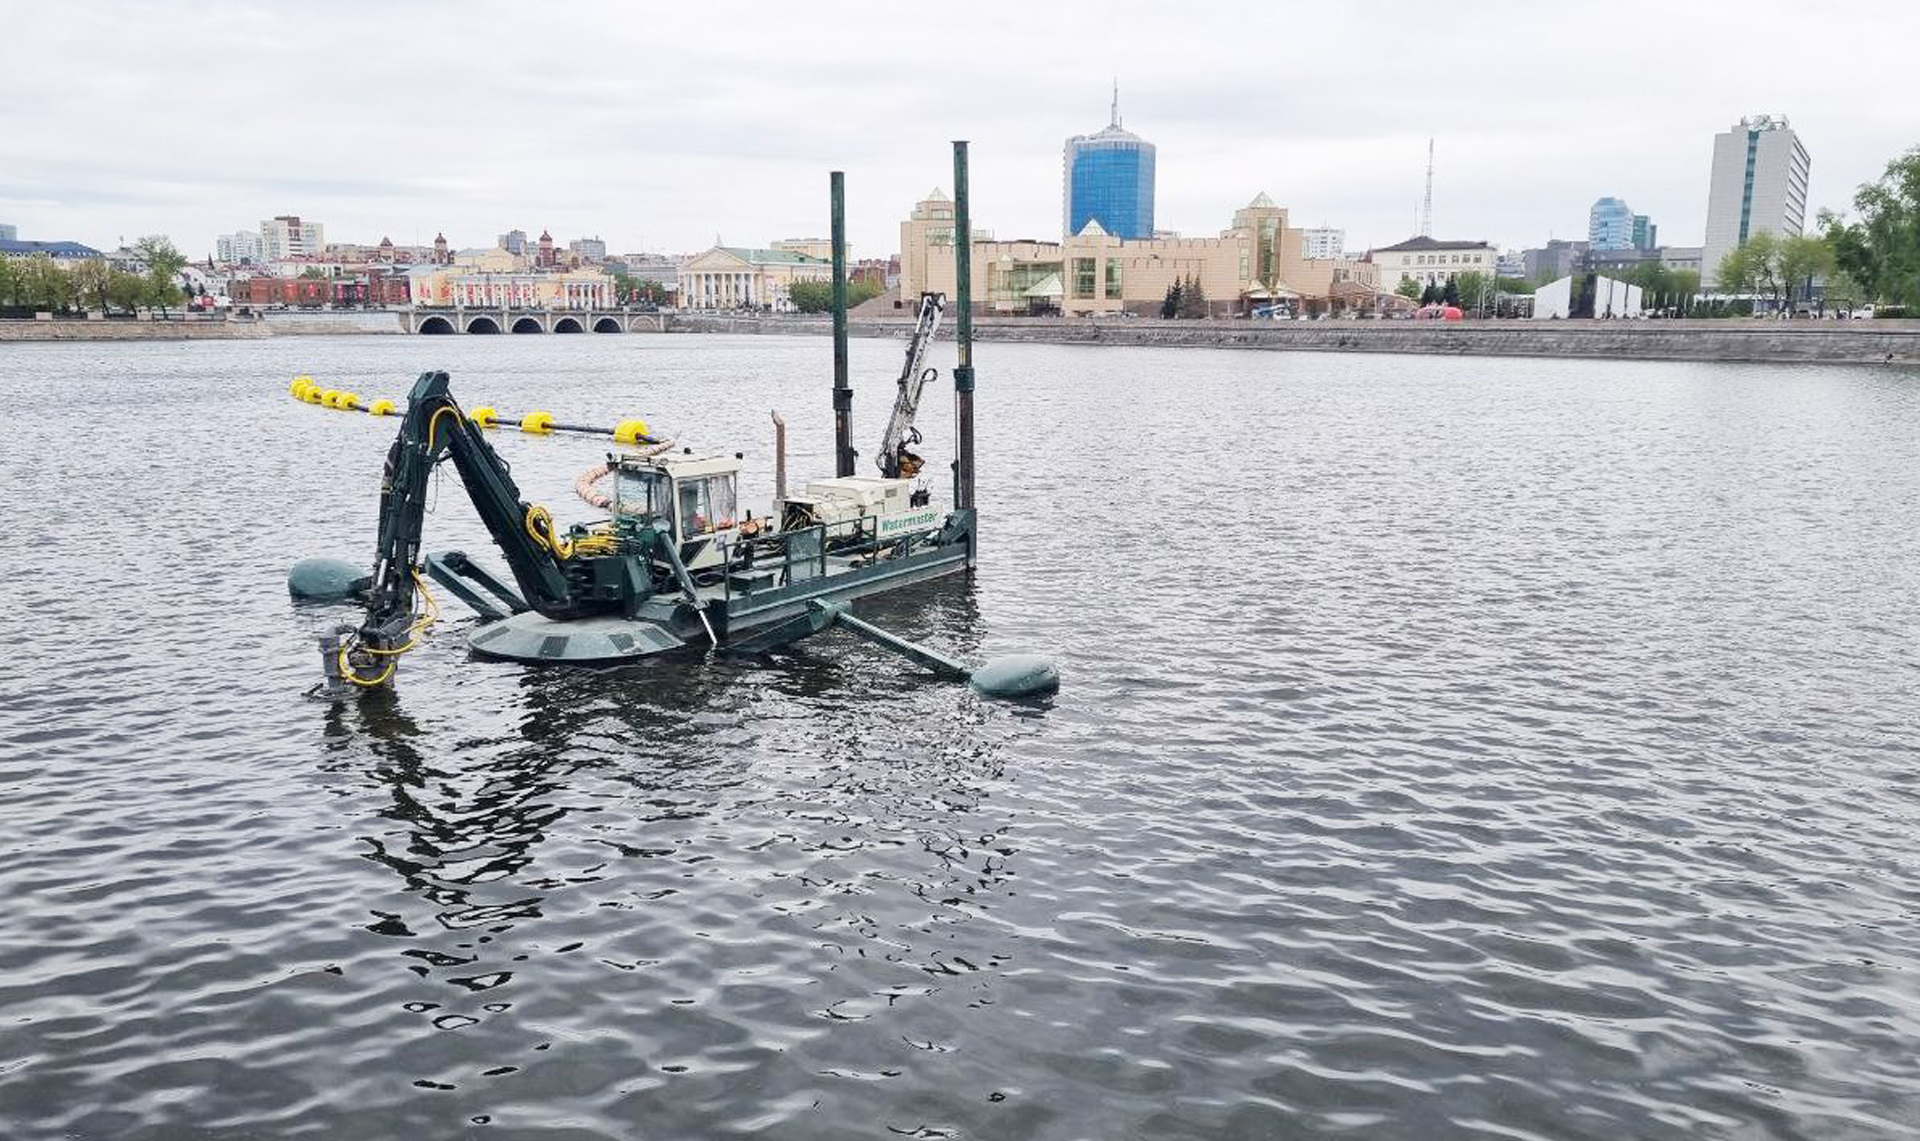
{"points": [[607, 325], [436, 325], [483, 325], [528, 325], [567, 325]]}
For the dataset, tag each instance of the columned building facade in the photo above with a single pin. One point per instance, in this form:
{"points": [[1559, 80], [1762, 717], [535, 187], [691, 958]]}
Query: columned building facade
{"points": [[736, 277]]}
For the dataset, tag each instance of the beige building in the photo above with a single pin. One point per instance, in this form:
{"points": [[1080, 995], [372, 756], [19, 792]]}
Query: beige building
{"points": [[1254, 262], [478, 289], [1429, 261], [732, 277], [286, 236], [495, 260], [821, 248]]}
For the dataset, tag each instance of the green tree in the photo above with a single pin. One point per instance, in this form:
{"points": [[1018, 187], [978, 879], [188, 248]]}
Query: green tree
{"points": [[1889, 231], [10, 280], [1763, 256], [1736, 272], [1408, 288], [1193, 298], [817, 296], [1474, 288], [45, 285], [1170, 304], [1683, 286], [90, 280], [1430, 295], [1652, 277], [313, 271], [811, 296], [160, 291], [159, 254], [126, 290], [630, 290], [1513, 285], [1798, 260], [1848, 243], [1844, 291]]}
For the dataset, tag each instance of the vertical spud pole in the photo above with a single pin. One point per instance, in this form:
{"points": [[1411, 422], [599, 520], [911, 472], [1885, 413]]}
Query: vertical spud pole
{"points": [[842, 394], [963, 331]]}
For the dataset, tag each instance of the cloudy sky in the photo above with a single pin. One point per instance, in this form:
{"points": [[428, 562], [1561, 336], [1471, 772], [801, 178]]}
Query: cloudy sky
{"points": [[658, 127]]}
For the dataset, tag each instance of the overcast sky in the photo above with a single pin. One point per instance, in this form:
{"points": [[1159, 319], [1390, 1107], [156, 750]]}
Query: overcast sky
{"points": [[658, 127]]}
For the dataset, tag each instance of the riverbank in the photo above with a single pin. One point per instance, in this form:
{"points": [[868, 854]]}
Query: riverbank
{"points": [[1837, 342], [1726, 340], [300, 323], [81, 330]]}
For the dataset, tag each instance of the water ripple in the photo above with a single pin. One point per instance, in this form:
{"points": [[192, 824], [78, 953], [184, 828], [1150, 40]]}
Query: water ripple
{"points": [[1451, 748]]}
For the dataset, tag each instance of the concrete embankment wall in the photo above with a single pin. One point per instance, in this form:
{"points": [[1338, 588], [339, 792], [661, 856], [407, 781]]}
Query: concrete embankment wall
{"points": [[323, 322], [193, 329], [1728, 340], [131, 330]]}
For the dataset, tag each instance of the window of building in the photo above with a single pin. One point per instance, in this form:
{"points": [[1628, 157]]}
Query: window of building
{"points": [[1113, 279], [1083, 277]]}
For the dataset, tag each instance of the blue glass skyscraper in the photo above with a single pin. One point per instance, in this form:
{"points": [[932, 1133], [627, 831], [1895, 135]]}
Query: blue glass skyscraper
{"points": [[1610, 225], [1108, 178]]}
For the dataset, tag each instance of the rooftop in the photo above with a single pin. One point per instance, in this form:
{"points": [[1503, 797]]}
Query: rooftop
{"points": [[1423, 243], [771, 257], [51, 249]]}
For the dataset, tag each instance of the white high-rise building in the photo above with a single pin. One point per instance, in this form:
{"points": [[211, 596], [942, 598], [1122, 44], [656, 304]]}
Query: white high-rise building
{"points": [[1322, 243], [1759, 183], [239, 246], [286, 236]]}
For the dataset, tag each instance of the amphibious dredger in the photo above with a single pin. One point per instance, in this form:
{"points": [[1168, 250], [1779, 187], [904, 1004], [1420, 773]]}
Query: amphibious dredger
{"points": [[676, 564]]}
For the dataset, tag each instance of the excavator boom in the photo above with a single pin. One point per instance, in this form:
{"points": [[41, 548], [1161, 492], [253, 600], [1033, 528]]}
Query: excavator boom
{"points": [[434, 428], [894, 458]]}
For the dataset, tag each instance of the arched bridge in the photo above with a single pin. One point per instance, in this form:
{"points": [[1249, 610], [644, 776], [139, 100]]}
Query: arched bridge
{"points": [[461, 320]]}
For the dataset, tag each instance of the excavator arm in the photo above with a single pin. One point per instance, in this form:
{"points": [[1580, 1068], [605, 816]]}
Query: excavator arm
{"points": [[433, 429], [895, 460]]}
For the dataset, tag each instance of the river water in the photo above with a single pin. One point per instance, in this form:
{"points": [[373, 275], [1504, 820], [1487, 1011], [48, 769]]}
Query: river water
{"points": [[1448, 748]]}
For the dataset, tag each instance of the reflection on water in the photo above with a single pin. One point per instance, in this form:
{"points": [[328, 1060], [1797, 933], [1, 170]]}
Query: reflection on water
{"points": [[1450, 748]]}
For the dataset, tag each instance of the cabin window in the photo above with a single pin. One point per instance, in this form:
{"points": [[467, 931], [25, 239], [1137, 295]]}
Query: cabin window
{"points": [[644, 495], [706, 504]]}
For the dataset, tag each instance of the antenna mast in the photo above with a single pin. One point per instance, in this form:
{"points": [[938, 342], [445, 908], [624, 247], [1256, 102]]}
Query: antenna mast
{"points": [[1426, 205]]}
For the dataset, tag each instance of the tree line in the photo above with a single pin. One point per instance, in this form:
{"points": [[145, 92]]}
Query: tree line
{"points": [[817, 296], [1877, 254], [630, 290], [1186, 298], [39, 283]]}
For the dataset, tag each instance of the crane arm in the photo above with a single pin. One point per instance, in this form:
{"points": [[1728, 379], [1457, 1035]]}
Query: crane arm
{"points": [[434, 428], [894, 458]]}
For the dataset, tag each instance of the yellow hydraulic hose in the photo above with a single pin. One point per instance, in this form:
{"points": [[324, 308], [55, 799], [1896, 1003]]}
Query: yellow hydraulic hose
{"points": [[428, 617]]}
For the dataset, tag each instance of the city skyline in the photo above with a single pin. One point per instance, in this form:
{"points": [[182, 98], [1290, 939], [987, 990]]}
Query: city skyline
{"points": [[628, 134]]}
